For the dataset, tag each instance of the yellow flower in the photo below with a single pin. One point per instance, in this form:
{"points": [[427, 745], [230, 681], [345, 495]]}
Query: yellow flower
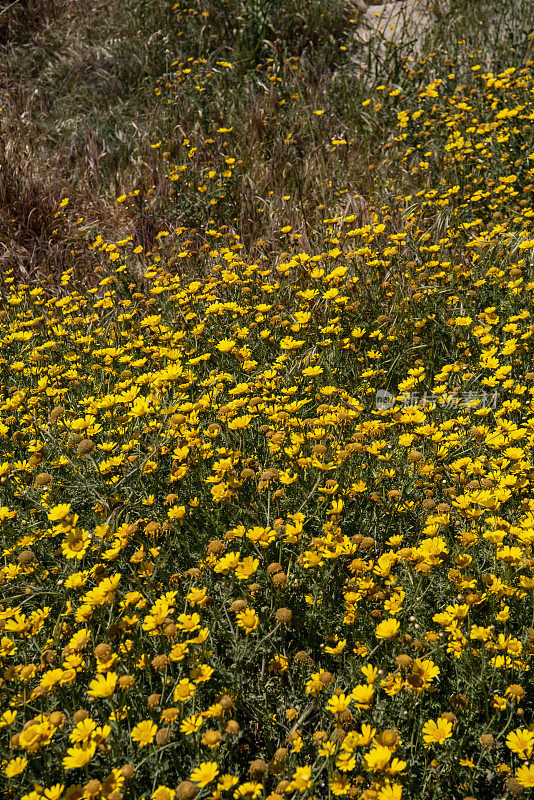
{"points": [[248, 620], [103, 685], [377, 758], [5, 513], [225, 345], [301, 780], [144, 732], [525, 776], [205, 773], [36, 736], [391, 791], [249, 790], [363, 695], [312, 372], [59, 512], [338, 703], [521, 741], [437, 732], [246, 568], [79, 756], [15, 766], [226, 782], [370, 673], [188, 622], [191, 724], [54, 792], [366, 736], [163, 793], [387, 629], [76, 544], [83, 730], [346, 762], [202, 673], [184, 690], [8, 718]]}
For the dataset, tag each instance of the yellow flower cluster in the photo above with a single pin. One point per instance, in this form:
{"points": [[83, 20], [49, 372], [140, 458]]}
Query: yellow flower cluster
{"points": [[268, 533]]}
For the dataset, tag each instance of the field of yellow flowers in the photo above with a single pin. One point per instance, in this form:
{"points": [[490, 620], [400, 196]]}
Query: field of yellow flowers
{"points": [[267, 516]]}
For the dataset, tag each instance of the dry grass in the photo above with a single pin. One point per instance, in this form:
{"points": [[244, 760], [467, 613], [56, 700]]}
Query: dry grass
{"points": [[79, 114]]}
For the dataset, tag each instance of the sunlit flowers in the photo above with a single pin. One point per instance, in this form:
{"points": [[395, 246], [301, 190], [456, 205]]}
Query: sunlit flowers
{"points": [[144, 732], [387, 629], [79, 756], [248, 620], [437, 731], [103, 685], [521, 742], [205, 773], [59, 512], [15, 766]]}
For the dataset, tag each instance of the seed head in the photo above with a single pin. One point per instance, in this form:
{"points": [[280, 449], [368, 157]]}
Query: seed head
{"points": [[284, 615], [186, 790], [258, 769]]}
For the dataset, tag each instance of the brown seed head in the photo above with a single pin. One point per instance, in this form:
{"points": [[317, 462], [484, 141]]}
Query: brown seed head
{"points": [[281, 754], [186, 790], [232, 727], [57, 718], [80, 715], [515, 691], [238, 605], [56, 414], [153, 528], [302, 657], [193, 572], [127, 771], [85, 447], [326, 678], [367, 543], [258, 769], [74, 792], [26, 557], [280, 580], [163, 736], [284, 615], [43, 479], [92, 787], [513, 786], [216, 547], [414, 456], [103, 651], [160, 662], [226, 702], [459, 701]]}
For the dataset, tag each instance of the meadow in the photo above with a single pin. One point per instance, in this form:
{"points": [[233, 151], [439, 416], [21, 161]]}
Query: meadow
{"points": [[266, 401]]}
